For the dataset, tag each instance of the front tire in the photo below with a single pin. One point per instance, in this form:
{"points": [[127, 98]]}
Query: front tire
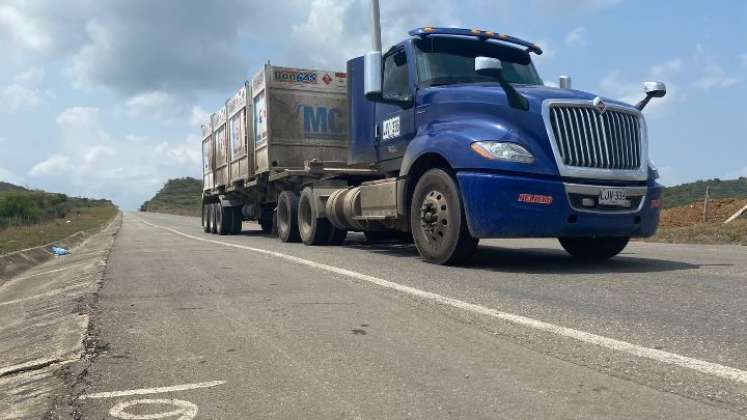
{"points": [[594, 249], [438, 222], [287, 217]]}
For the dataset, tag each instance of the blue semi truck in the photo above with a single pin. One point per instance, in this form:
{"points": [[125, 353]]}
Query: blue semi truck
{"points": [[449, 137]]}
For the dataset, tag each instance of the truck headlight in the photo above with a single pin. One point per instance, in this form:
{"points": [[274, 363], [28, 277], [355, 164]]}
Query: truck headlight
{"points": [[501, 150]]}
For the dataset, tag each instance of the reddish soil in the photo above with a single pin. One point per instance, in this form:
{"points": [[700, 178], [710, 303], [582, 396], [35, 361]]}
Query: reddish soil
{"points": [[691, 214]]}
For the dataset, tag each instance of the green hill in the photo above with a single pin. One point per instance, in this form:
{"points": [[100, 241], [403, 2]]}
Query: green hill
{"points": [[30, 218], [680, 195], [179, 196]]}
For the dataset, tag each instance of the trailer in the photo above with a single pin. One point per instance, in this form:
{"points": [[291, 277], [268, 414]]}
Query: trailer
{"points": [[285, 129], [449, 137]]}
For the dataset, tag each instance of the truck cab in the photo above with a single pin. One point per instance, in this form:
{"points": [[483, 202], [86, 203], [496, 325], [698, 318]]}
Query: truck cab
{"points": [[480, 147]]}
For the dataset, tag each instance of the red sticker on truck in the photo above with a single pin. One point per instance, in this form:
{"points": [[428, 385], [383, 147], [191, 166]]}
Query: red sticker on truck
{"points": [[535, 199]]}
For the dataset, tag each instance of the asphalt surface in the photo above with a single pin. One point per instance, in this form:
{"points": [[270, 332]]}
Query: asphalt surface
{"points": [[243, 334]]}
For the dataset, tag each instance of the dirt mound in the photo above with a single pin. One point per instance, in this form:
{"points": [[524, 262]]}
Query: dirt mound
{"points": [[692, 214]]}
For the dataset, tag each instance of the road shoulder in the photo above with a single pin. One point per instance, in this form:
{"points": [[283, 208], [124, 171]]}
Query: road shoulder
{"points": [[44, 329]]}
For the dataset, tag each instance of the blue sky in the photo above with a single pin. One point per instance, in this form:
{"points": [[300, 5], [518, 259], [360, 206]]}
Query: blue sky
{"points": [[104, 98]]}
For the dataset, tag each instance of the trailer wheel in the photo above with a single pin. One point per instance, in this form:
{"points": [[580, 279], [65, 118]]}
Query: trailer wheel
{"points": [[236, 220], [287, 217], [337, 236], [594, 249], [206, 218], [213, 217], [222, 220], [313, 230], [439, 226], [266, 225]]}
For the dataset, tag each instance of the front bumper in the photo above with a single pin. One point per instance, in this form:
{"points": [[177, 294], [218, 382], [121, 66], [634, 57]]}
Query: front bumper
{"points": [[494, 209]]}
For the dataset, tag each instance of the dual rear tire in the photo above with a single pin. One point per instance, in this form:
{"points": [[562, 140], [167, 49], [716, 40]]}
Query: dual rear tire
{"points": [[298, 220], [221, 220]]}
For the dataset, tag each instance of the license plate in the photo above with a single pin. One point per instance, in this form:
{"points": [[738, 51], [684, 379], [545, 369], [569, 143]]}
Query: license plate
{"points": [[613, 197]]}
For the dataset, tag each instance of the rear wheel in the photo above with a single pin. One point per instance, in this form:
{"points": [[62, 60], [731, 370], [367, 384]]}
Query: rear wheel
{"points": [[337, 236], [206, 218], [313, 230], [287, 217], [236, 220], [594, 249], [213, 217], [439, 226], [223, 219], [266, 225]]}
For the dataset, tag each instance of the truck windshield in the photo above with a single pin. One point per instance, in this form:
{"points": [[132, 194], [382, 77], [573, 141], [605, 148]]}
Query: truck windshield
{"points": [[450, 60]]}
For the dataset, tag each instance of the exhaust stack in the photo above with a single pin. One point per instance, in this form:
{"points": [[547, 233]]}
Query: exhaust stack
{"points": [[372, 73]]}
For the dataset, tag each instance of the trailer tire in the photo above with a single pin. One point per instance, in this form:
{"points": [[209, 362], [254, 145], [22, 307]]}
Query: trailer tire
{"points": [[337, 236], [313, 229], [266, 225], [438, 222], [213, 218], [594, 249], [287, 217], [236, 220], [223, 219], [206, 218]]}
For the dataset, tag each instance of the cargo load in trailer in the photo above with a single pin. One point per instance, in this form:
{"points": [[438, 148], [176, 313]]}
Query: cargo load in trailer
{"points": [[448, 137]]}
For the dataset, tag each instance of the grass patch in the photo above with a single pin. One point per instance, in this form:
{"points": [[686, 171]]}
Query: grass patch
{"points": [[15, 238], [705, 233]]}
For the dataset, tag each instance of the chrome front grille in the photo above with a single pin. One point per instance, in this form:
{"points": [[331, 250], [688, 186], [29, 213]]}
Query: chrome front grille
{"points": [[587, 139]]}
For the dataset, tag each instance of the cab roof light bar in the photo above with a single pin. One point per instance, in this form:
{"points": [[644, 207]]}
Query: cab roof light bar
{"points": [[429, 30]]}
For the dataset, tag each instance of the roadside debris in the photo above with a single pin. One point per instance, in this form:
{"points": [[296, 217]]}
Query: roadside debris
{"points": [[59, 251]]}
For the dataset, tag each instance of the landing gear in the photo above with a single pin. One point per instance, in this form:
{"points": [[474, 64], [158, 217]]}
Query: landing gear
{"points": [[439, 225], [594, 249]]}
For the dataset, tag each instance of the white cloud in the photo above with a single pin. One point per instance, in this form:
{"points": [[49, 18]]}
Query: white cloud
{"points": [[335, 30], [32, 76], [154, 105], [23, 29], [714, 76], [198, 117], [8, 176], [16, 97], [128, 169], [78, 116], [624, 89], [555, 6], [576, 37], [55, 165], [24, 92]]}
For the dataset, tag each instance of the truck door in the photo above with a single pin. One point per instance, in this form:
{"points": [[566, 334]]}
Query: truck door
{"points": [[395, 125]]}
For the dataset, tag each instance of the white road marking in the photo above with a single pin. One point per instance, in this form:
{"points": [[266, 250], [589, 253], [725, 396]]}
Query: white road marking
{"points": [[147, 391], [674, 359], [186, 410]]}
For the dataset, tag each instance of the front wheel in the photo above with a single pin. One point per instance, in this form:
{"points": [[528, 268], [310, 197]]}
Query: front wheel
{"points": [[438, 222], [595, 249]]}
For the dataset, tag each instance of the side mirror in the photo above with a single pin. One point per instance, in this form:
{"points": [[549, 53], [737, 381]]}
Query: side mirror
{"points": [[653, 90], [372, 75], [488, 66]]}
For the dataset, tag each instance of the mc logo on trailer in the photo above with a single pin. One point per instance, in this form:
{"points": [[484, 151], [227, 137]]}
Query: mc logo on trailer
{"points": [[322, 122]]}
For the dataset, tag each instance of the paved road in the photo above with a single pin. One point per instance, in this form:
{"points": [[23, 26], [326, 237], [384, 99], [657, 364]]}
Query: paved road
{"points": [[247, 327]]}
